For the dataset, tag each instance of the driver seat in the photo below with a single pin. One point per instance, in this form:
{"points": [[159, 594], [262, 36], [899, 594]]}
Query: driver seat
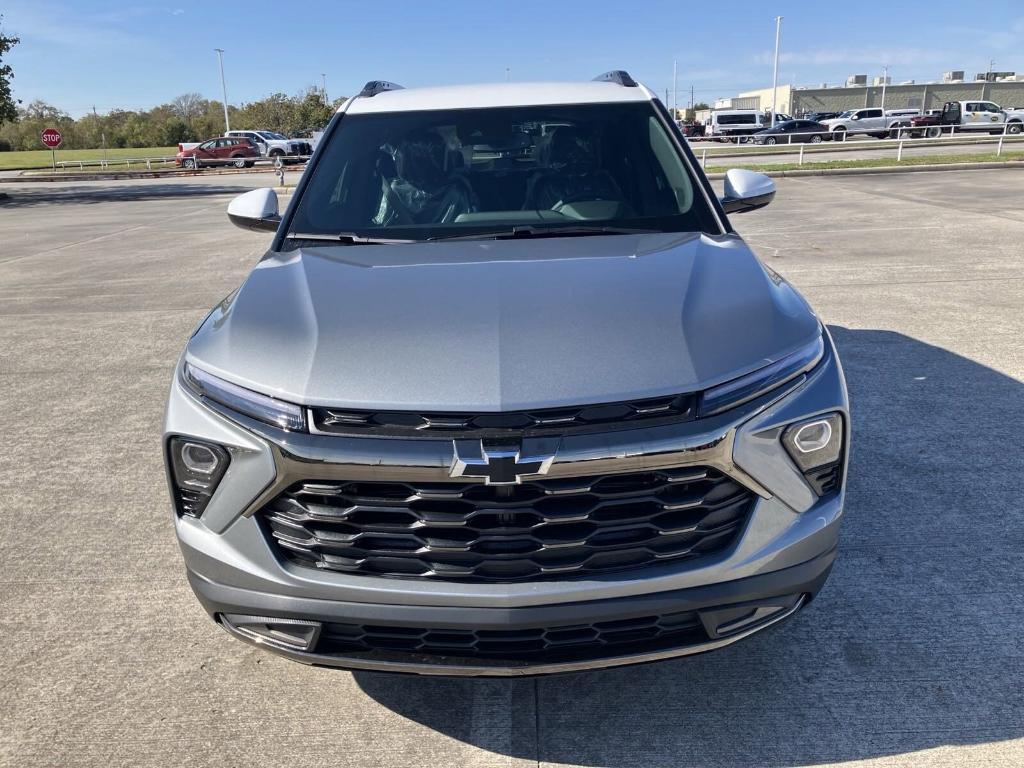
{"points": [[569, 171]]}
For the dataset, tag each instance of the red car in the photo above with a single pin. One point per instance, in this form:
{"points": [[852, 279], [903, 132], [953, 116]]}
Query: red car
{"points": [[224, 150]]}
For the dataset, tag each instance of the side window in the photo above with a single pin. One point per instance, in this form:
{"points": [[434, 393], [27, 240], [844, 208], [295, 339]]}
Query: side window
{"points": [[990, 107], [873, 113], [207, 145]]}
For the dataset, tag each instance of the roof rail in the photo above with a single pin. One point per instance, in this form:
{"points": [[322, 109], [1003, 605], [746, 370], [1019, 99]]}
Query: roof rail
{"points": [[374, 87], [619, 76]]}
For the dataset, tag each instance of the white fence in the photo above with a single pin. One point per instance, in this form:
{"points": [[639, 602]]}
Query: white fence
{"points": [[800, 145]]}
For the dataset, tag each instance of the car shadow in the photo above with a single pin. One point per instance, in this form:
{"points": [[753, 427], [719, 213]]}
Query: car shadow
{"points": [[914, 644], [20, 196]]}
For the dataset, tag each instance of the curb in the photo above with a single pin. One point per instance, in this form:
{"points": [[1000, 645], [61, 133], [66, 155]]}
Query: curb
{"points": [[885, 169]]}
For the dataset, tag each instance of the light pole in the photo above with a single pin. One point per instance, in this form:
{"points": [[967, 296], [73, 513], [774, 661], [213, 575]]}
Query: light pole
{"points": [[775, 69], [323, 80], [885, 79], [675, 90], [223, 88]]}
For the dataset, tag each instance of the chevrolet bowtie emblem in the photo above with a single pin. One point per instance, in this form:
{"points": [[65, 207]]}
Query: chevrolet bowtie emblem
{"points": [[497, 465]]}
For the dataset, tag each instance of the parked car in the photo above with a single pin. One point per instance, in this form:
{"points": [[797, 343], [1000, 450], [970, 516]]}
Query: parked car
{"points": [[224, 150], [734, 124], [871, 121], [817, 117], [487, 411], [691, 128], [793, 132], [963, 116], [272, 144]]}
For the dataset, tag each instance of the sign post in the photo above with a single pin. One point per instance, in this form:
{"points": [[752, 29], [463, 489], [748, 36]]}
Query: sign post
{"points": [[51, 138]]}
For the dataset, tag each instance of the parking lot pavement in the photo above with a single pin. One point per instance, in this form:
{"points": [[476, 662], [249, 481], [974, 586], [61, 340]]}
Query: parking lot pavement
{"points": [[911, 656]]}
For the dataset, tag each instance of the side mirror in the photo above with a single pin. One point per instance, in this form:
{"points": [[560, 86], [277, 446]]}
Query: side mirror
{"points": [[855, 117], [255, 210], [745, 191]]}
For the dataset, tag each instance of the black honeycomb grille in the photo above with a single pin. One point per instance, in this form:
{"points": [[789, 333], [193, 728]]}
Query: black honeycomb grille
{"points": [[476, 532], [631, 413], [603, 638]]}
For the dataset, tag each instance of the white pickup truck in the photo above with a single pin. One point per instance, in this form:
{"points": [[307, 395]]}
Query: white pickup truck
{"points": [[870, 121], [273, 144], [967, 116]]}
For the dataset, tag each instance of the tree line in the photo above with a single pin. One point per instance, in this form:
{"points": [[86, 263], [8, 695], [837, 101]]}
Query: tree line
{"points": [[189, 117]]}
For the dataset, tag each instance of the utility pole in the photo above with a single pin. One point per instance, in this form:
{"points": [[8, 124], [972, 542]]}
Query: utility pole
{"points": [[885, 79], [508, 74], [323, 81], [223, 88], [775, 69], [692, 102], [675, 89]]}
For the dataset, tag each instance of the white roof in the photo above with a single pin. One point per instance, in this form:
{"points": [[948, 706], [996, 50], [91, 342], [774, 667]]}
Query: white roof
{"points": [[495, 95]]}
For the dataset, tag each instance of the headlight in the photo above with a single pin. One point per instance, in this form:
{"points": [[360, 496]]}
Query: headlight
{"points": [[761, 381], [267, 409]]}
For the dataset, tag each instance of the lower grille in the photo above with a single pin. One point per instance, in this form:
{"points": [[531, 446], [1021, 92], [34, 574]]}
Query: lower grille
{"points": [[475, 532], [605, 638]]}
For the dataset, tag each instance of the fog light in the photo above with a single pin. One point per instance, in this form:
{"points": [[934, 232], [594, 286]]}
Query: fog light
{"points": [[196, 470], [813, 436], [199, 458], [816, 447]]}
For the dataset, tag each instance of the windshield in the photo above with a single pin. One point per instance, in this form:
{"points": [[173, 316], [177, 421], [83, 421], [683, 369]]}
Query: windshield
{"points": [[456, 173], [271, 135], [847, 113]]}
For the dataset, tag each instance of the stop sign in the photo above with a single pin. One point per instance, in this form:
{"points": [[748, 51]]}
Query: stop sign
{"points": [[51, 137]]}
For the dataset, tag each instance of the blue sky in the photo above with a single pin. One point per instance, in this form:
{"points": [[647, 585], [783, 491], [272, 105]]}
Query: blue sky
{"points": [[131, 55]]}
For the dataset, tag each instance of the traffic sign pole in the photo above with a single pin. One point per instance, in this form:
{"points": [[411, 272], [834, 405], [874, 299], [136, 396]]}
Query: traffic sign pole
{"points": [[51, 138]]}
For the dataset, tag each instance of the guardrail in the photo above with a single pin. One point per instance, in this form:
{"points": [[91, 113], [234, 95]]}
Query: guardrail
{"points": [[785, 144], [169, 161]]}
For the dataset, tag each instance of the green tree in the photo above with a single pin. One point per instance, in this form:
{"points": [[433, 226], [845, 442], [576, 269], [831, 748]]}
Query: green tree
{"points": [[8, 104]]}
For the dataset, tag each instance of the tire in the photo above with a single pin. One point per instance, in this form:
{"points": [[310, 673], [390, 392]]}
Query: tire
{"points": [[770, 140], [274, 153], [250, 163], [238, 162], [933, 132], [839, 134], [1014, 128], [190, 164], [816, 139]]}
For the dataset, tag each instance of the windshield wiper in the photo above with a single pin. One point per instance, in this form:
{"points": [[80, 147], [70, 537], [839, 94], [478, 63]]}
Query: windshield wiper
{"points": [[529, 230], [347, 238]]}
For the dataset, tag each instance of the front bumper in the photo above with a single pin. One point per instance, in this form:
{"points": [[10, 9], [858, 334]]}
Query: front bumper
{"points": [[777, 563], [728, 612]]}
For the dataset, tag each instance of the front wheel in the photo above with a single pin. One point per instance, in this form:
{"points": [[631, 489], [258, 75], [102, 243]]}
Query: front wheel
{"points": [[1013, 128], [190, 163], [839, 134], [816, 138], [239, 162], [770, 140], [933, 132]]}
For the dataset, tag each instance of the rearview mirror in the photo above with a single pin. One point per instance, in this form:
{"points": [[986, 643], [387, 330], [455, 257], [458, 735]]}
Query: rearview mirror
{"points": [[255, 210], [745, 191]]}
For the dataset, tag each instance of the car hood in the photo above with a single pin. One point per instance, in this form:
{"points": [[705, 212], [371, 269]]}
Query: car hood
{"points": [[502, 324]]}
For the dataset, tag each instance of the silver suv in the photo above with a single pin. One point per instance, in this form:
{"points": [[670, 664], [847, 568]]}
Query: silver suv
{"points": [[507, 395]]}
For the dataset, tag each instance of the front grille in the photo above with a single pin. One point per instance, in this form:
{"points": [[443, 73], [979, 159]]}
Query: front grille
{"points": [[631, 413], [477, 532], [558, 643]]}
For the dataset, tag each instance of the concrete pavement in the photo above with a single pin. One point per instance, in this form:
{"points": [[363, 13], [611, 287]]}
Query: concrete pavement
{"points": [[911, 656]]}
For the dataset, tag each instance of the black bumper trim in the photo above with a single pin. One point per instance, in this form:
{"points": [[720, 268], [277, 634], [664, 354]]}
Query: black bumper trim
{"points": [[805, 579]]}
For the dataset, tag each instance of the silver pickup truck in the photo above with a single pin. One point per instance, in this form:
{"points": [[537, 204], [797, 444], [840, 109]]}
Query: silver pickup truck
{"points": [[871, 121]]}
